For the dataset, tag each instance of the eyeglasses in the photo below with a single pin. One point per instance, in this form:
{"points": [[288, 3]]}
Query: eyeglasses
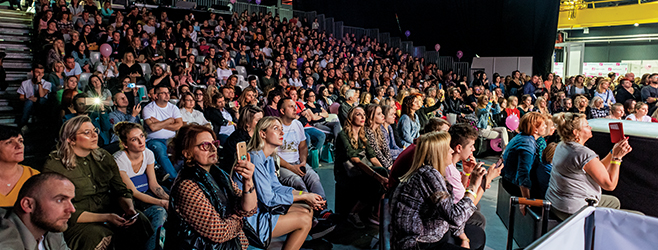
{"points": [[206, 146], [89, 132], [199, 94]]}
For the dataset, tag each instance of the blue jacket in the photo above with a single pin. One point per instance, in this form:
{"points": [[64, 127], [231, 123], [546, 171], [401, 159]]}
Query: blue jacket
{"points": [[518, 158], [529, 89], [408, 129], [493, 86], [269, 190], [484, 115]]}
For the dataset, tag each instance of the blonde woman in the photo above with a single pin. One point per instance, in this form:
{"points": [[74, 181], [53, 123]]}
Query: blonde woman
{"points": [[541, 106], [603, 91], [424, 187], [578, 172], [296, 220], [512, 103], [103, 204], [581, 106], [598, 109]]}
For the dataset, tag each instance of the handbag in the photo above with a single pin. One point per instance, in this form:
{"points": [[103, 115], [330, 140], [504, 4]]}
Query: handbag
{"points": [[354, 171], [327, 154]]}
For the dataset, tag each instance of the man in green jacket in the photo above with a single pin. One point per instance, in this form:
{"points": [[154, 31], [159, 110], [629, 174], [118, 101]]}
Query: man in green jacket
{"points": [[40, 214]]}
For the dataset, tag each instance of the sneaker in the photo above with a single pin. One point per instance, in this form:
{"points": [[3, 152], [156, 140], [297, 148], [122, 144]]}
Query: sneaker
{"points": [[355, 221], [321, 229], [328, 215]]}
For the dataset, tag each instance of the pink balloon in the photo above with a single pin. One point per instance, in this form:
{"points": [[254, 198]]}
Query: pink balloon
{"points": [[496, 144], [437, 47], [512, 122], [106, 50], [460, 54], [232, 1]]}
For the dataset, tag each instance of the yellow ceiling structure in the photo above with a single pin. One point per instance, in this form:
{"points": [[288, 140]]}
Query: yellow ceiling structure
{"points": [[575, 14]]}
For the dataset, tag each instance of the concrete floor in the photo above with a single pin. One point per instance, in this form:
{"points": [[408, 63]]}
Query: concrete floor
{"points": [[346, 237]]}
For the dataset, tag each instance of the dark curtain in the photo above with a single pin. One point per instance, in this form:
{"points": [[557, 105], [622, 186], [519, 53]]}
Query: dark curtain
{"points": [[483, 27]]}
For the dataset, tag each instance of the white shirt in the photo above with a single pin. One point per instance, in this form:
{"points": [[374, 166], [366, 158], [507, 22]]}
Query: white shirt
{"points": [[125, 165], [295, 82], [228, 129], [194, 117], [223, 74], [160, 114], [632, 117], [28, 89], [74, 72], [139, 178], [293, 135]]}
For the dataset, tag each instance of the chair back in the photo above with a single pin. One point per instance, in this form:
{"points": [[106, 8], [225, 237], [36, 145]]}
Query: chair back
{"points": [[84, 81], [146, 69]]}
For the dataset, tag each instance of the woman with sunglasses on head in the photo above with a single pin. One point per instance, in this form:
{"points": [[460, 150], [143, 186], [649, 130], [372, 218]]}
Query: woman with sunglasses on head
{"points": [[249, 117], [104, 205], [136, 167], [207, 210]]}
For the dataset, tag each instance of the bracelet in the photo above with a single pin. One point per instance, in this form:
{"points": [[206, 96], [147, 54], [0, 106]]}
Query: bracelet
{"points": [[475, 196], [467, 240], [616, 159], [466, 174], [251, 190], [615, 162], [301, 192]]}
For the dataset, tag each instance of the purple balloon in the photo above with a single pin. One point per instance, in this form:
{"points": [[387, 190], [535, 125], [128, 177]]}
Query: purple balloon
{"points": [[407, 33], [106, 50], [437, 47], [460, 54], [257, 1]]}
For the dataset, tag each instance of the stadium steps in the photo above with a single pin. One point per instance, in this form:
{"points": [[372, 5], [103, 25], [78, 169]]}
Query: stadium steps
{"points": [[15, 37]]}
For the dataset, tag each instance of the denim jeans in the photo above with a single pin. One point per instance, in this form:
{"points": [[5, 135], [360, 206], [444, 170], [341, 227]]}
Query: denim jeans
{"points": [[309, 183], [159, 148], [314, 137], [157, 215], [27, 109]]}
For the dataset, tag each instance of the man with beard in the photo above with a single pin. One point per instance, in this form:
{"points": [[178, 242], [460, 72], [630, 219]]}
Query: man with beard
{"points": [[40, 214]]}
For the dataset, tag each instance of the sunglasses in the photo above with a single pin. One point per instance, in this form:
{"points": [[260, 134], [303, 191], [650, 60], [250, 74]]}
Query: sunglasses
{"points": [[206, 146]]}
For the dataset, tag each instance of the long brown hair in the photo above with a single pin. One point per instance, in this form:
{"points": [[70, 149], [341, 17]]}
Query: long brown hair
{"points": [[371, 111], [407, 103]]}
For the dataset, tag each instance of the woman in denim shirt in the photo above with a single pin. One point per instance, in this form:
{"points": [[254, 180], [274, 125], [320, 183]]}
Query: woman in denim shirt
{"points": [[520, 155], [387, 129], [297, 220], [409, 124], [485, 122]]}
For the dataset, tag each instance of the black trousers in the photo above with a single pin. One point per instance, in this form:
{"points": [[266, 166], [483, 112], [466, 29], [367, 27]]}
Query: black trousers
{"points": [[449, 242]]}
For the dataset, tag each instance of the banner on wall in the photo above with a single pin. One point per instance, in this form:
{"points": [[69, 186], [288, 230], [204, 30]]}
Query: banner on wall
{"points": [[595, 69]]}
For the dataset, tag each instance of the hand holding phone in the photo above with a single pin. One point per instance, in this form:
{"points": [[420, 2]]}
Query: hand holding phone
{"points": [[616, 131], [131, 218]]}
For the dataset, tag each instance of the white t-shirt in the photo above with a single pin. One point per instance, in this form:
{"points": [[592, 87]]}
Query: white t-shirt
{"points": [[645, 118], [228, 129], [161, 114], [28, 89], [138, 178], [292, 136]]}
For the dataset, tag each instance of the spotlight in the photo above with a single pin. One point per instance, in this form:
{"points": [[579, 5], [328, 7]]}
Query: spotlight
{"points": [[97, 101], [636, 24], [476, 55]]}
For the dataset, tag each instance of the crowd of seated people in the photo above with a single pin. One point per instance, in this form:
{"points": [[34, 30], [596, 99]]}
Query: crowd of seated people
{"points": [[149, 133]]}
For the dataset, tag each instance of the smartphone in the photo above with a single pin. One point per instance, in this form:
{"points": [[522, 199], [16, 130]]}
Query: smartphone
{"points": [[132, 217], [616, 131], [303, 169], [131, 85], [498, 163], [241, 148]]}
